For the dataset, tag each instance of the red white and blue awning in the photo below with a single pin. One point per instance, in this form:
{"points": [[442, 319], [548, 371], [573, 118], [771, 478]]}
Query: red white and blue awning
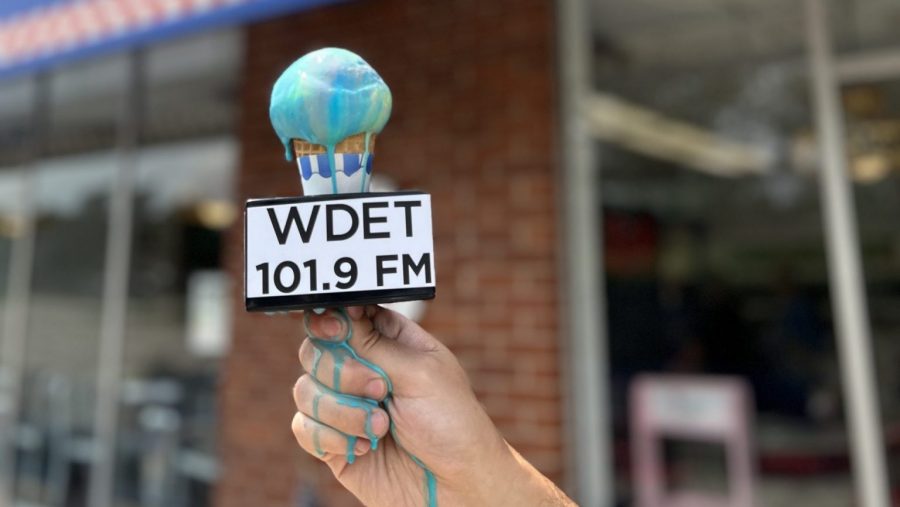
{"points": [[37, 34]]}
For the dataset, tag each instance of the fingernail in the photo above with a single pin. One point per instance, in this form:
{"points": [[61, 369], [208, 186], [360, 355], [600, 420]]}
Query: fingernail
{"points": [[379, 421], [360, 447], [330, 326], [375, 389]]}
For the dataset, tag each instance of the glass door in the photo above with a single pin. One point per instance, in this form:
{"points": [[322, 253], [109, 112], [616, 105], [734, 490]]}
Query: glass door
{"points": [[715, 259]]}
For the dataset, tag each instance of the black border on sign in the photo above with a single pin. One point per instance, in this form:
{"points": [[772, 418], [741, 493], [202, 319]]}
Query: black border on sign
{"points": [[271, 201], [330, 299]]}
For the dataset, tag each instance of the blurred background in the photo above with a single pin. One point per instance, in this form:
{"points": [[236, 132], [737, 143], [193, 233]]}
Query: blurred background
{"points": [[629, 224]]}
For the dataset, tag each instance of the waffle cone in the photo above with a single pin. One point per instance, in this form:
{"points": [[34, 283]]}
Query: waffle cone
{"points": [[353, 144]]}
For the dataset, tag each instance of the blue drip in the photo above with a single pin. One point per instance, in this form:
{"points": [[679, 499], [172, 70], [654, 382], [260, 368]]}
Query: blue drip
{"points": [[327, 96], [430, 487], [430, 480], [348, 400], [369, 433], [337, 355], [333, 166], [339, 351], [351, 443], [316, 443], [362, 163], [317, 358]]}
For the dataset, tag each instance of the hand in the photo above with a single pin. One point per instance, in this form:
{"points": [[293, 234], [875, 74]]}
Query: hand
{"points": [[431, 416]]}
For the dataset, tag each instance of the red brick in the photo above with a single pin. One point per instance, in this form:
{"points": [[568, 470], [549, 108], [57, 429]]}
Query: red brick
{"points": [[474, 124]]}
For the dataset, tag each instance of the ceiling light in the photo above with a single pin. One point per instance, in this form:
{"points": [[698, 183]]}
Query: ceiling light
{"points": [[650, 133]]}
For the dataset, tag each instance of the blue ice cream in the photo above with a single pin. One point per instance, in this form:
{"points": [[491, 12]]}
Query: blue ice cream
{"points": [[326, 96], [323, 98]]}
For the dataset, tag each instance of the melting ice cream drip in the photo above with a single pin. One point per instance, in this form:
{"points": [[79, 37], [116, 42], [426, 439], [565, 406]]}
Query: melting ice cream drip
{"points": [[339, 351], [344, 168], [324, 98]]}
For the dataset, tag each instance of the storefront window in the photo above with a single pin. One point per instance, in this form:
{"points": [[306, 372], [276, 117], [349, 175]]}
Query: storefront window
{"points": [[16, 102], [58, 395], [70, 206], [177, 323], [715, 260], [11, 189]]}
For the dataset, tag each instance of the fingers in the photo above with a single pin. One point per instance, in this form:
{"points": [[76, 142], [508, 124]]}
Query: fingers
{"points": [[406, 332], [384, 341], [322, 441], [350, 377], [347, 414]]}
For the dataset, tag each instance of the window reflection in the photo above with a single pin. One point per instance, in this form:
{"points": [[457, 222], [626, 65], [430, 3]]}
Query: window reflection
{"points": [[71, 199], [16, 98], [85, 101], [715, 256], [177, 323], [11, 226]]}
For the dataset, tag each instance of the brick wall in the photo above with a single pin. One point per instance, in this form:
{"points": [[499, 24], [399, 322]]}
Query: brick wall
{"points": [[474, 124]]}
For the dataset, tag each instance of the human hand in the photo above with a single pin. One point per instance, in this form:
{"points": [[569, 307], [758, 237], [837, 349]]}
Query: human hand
{"points": [[433, 426]]}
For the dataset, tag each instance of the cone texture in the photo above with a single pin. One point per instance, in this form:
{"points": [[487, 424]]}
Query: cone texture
{"points": [[353, 144]]}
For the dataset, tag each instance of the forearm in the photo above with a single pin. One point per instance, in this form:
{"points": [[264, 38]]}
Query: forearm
{"points": [[536, 489], [510, 480]]}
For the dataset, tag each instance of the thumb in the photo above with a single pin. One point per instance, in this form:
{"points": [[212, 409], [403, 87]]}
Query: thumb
{"points": [[383, 338]]}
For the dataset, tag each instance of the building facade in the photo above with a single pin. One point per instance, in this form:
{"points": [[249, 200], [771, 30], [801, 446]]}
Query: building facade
{"points": [[619, 188], [160, 111], [473, 124]]}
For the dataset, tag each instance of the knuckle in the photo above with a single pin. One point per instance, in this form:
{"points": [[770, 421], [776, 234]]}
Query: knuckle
{"points": [[370, 339], [298, 425], [304, 383], [304, 352], [301, 435], [430, 371], [302, 389]]}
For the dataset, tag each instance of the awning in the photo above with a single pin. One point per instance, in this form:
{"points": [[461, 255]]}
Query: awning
{"points": [[37, 34]]}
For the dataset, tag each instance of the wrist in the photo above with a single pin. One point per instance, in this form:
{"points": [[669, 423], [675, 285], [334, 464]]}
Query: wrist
{"points": [[509, 479]]}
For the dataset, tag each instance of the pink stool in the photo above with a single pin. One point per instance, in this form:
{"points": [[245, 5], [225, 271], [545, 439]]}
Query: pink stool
{"points": [[711, 409]]}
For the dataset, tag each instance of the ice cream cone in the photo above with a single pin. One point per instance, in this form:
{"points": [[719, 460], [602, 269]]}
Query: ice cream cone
{"points": [[352, 144], [352, 165]]}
